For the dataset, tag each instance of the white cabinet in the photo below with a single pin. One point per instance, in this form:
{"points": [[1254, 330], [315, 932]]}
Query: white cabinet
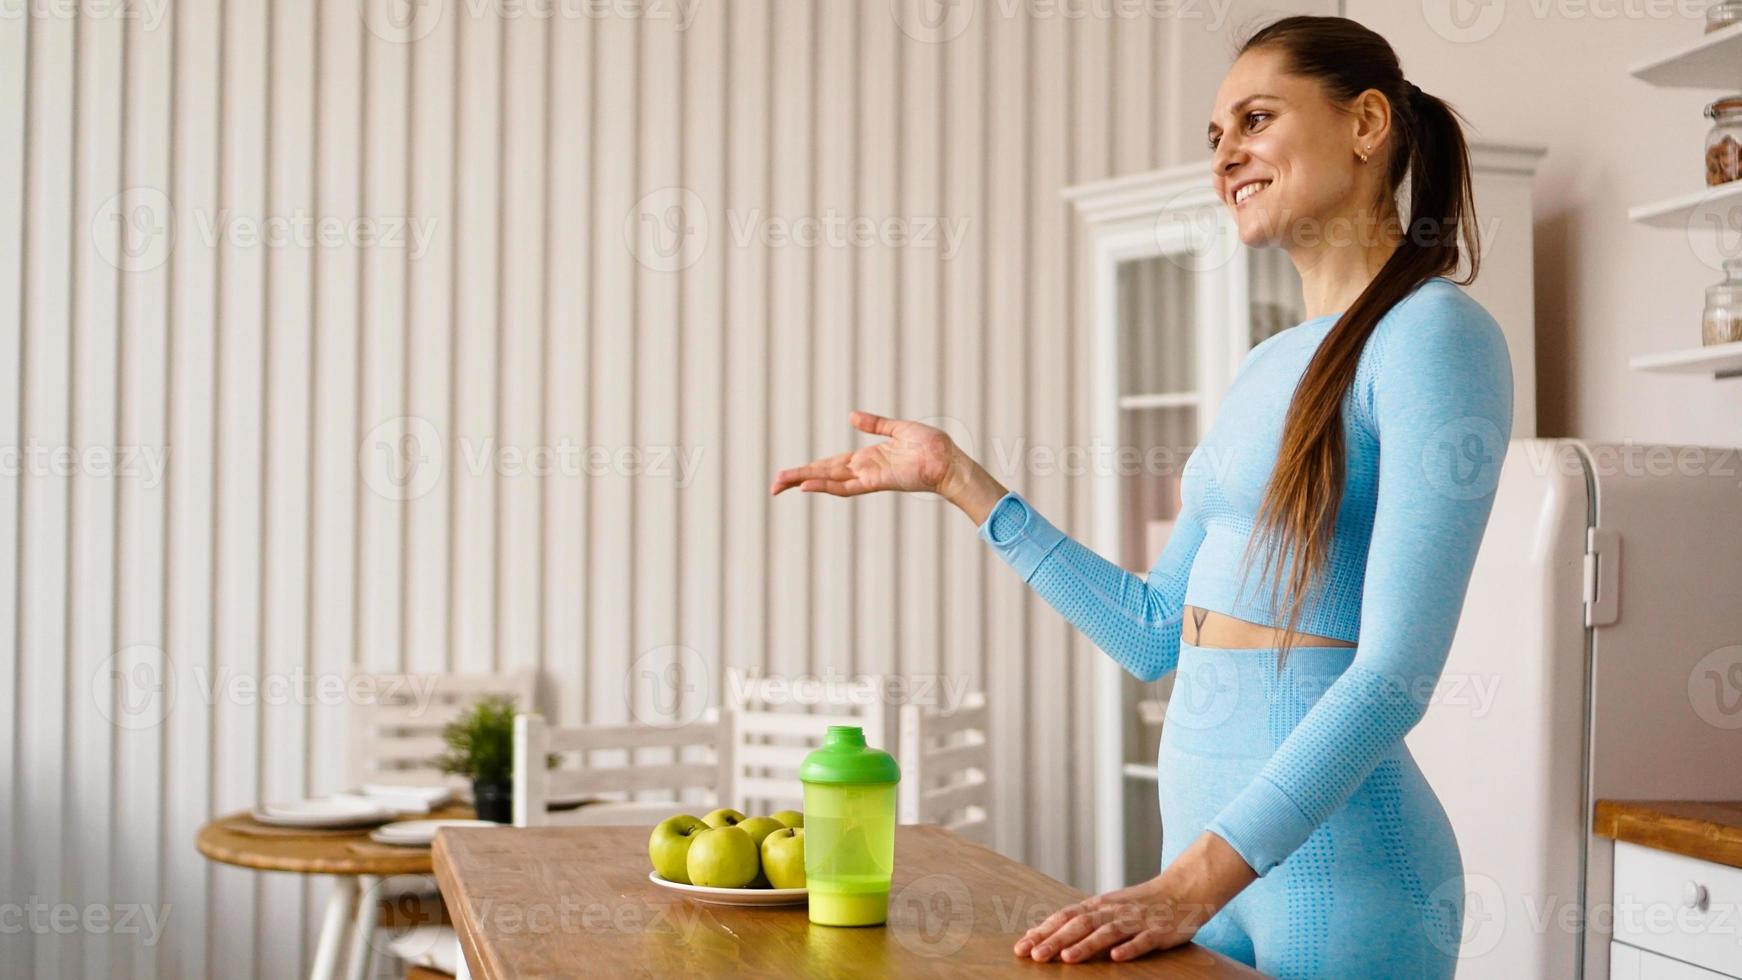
{"points": [[1627, 963], [1674, 916], [1178, 301]]}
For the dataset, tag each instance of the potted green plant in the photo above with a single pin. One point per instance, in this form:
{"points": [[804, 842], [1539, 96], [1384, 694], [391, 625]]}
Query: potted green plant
{"points": [[481, 748]]}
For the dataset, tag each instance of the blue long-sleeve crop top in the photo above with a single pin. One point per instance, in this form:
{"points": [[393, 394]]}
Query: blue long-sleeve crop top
{"points": [[1426, 425]]}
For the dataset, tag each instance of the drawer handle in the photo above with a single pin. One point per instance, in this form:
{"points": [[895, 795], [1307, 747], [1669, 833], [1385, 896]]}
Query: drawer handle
{"points": [[1694, 896]]}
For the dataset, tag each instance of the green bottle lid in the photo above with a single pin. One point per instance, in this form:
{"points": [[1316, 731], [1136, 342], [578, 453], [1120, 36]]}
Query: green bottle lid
{"points": [[844, 758]]}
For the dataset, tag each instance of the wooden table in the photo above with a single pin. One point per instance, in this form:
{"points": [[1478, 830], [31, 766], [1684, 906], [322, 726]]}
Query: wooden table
{"points": [[358, 865], [557, 901]]}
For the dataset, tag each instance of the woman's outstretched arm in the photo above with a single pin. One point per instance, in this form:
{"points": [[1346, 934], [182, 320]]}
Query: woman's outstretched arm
{"points": [[1134, 619]]}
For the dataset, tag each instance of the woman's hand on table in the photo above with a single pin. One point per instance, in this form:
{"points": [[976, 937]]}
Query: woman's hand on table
{"points": [[1125, 924], [1160, 913], [915, 457]]}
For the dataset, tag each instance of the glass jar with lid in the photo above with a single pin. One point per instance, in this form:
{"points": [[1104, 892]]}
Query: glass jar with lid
{"points": [[1723, 321], [1724, 142], [1722, 14]]}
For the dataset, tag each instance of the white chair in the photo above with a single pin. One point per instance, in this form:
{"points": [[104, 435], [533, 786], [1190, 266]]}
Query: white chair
{"points": [[945, 758], [394, 738], [774, 729], [536, 784], [396, 722]]}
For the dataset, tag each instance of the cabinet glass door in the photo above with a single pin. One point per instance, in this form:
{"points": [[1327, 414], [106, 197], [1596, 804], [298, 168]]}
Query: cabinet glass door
{"points": [[1160, 389], [1158, 398], [1172, 366]]}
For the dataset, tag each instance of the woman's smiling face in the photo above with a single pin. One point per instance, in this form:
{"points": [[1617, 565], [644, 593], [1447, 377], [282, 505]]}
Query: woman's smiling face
{"points": [[1282, 135]]}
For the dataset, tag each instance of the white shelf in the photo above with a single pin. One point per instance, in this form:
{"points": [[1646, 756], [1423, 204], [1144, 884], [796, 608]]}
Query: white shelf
{"points": [[1711, 61], [1708, 204], [1718, 360], [1137, 770], [1168, 399]]}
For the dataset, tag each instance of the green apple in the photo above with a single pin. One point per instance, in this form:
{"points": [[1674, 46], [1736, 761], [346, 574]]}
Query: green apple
{"points": [[723, 818], [723, 857], [669, 846], [789, 818], [760, 827], [783, 858]]}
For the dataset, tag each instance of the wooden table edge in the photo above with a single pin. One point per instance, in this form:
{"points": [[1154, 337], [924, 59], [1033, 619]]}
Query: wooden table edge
{"points": [[1648, 823], [414, 862], [460, 911]]}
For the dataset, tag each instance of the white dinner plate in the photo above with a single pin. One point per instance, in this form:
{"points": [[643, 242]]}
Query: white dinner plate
{"points": [[747, 897], [420, 833], [328, 812]]}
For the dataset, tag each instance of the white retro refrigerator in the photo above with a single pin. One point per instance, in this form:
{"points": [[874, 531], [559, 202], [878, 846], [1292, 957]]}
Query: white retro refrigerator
{"points": [[1599, 655]]}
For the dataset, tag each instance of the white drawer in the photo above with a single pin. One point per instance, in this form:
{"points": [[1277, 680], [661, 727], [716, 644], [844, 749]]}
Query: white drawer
{"points": [[1627, 963], [1684, 908]]}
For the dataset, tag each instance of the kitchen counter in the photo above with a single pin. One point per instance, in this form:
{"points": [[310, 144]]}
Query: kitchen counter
{"points": [[1708, 831]]}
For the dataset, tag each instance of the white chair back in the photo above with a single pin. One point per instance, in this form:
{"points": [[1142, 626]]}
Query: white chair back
{"points": [[395, 727], [774, 729], [945, 760], [536, 785]]}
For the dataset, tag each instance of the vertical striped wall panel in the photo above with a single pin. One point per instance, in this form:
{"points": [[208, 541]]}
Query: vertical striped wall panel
{"points": [[337, 288], [14, 165], [14, 124], [44, 655]]}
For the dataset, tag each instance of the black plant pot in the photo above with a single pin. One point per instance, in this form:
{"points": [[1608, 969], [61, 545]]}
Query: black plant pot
{"points": [[493, 801]]}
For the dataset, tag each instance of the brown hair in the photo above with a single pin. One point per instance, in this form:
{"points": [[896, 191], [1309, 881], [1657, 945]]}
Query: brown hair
{"points": [[1298, 512]]}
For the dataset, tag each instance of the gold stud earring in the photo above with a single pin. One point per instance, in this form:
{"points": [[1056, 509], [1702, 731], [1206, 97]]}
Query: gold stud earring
{"points": [[1363, 154]]}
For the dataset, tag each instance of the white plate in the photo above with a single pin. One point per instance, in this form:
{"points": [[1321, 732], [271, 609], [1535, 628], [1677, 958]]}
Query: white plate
{"points": [[747, 897], [428, 796], [420, 833], [322, 813]]}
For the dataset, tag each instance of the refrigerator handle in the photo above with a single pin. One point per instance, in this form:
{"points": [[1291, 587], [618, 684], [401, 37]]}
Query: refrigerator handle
{"points": [[1602, 576]]}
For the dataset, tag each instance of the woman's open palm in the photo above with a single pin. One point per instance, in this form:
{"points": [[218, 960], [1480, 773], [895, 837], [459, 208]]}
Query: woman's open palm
{"points": [[914, 457]]}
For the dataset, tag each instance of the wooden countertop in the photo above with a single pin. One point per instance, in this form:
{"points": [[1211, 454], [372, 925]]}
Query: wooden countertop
{"points": [[1710, 831], [554, 901]]}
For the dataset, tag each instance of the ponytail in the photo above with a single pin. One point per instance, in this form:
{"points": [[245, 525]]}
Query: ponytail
{"points": [[1297, 514]]}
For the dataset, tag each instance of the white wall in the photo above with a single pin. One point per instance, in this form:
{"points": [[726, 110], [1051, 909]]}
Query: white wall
{"points": [[1554, 74], [272, 546]]}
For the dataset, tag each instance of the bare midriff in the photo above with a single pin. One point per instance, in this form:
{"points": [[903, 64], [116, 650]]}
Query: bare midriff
{"points": [[1205, 628]]}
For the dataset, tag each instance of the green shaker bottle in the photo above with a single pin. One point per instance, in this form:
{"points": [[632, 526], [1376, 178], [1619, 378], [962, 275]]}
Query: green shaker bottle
{"points": [[849, 829]]}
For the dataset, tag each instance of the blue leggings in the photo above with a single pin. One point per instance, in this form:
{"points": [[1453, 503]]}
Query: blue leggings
{"points": [[1376, 891]]}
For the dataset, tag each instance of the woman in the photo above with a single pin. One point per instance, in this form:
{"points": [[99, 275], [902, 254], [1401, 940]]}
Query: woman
{"points": [[1357, 453]]}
